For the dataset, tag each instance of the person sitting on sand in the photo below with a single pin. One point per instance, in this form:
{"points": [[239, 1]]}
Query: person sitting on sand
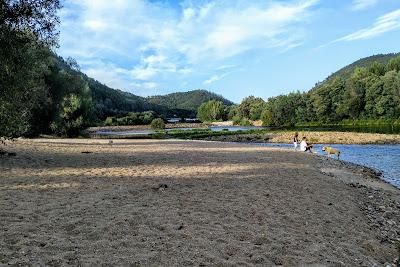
{"points": [[304, 146], [296, 140]]}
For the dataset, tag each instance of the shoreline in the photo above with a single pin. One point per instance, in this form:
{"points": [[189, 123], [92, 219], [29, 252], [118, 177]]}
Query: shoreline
{"points": [[140, 201], [314, 137], [260, 136], [128, 128]]}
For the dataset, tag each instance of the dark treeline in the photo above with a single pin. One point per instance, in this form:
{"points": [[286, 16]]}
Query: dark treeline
{"points": [[370, 93]]}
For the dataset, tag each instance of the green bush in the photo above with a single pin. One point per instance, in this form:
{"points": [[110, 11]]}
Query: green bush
{"points": [[245, 122], [157, 124], [109, 121], [236, 120]]}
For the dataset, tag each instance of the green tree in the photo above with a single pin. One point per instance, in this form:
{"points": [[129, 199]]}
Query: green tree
{"points": [[354, 97], [158, 124], [66, 90], [211, 111], [394, 64], [377, 68], [251, 108], [373, 92], [70, 119], [27, 27], [268, 118]]}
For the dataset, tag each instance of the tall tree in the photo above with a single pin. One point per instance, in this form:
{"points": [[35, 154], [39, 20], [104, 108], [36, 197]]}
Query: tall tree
{"points": [[27, 29]]}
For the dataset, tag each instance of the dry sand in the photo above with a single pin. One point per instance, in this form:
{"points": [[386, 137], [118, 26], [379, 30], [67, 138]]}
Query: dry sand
{"points": [[183, 203], [338, 137], [313, 137]]}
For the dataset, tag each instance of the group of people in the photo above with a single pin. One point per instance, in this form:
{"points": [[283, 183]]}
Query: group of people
{"points": [[304, 144]]}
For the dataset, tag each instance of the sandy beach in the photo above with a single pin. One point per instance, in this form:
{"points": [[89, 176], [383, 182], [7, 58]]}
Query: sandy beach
{"points": [[315, 137], [190, 203]]}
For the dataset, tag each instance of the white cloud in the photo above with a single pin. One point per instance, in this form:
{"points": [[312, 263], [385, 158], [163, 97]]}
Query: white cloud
{"points": [[151, 41], [145, 85], [147, 73], [216, 77], [383, 24], [363, 4], [224, 67]]}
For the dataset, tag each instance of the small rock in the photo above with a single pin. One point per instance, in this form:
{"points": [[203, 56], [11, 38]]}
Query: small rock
{"points": [[165, 186]]}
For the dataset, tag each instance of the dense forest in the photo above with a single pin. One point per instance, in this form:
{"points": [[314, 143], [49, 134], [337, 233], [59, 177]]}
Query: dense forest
{"points": [[366, 62], [367, 90]]}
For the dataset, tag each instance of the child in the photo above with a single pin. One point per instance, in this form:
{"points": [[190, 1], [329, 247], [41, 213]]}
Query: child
{"points": [[296, 140]]}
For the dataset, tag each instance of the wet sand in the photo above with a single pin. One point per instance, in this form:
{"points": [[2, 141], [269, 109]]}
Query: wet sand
{"points": [[183, 203]]}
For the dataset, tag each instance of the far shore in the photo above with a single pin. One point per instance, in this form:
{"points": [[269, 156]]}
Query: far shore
{"points": [[123, 128]]}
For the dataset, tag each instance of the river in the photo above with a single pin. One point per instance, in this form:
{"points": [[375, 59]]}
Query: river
{"points": [[384, 158]]}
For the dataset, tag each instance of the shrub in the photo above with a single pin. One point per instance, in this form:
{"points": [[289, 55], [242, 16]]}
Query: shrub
{"points": [[157, 124], [245, 122], [236, 120], [109, 121]]}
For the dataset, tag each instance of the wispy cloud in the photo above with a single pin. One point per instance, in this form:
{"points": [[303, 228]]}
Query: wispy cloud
{"points": [[216, 78], [386, 23], [224, 67], [363, 4], [154, 42], [383, 24]]}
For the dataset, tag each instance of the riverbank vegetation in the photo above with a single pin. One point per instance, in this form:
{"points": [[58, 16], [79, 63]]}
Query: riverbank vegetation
{"points": [[368, 95]]}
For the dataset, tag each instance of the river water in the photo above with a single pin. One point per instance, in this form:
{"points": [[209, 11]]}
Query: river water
{"points": [[384, 158], [212, 128]]}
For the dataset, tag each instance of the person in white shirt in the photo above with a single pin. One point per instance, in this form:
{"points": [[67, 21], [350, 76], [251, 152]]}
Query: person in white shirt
{"points": [[304, 146]]}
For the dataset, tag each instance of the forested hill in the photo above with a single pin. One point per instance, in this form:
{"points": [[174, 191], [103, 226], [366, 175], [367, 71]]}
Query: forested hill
{"points": [[188, 100], [113, 102], [366, 62]]}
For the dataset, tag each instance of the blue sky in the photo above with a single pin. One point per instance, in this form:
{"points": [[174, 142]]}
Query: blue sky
{"points": [[235, 48]]}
